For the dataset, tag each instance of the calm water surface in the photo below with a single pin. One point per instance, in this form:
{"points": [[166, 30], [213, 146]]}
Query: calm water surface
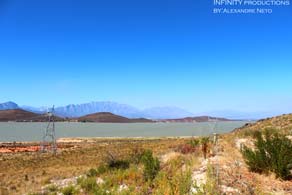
{"points": [[12, 131]]}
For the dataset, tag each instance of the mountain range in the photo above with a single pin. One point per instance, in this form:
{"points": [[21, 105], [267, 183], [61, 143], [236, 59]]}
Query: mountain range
{"points": [[156, 113], [78, 110], [19, 115]]}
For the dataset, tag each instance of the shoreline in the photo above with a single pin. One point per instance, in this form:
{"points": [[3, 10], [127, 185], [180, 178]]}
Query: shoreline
{"points": [[93, 139], [67, 142]]}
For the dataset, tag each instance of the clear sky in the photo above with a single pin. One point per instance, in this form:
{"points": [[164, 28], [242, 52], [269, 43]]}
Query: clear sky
{"points": [[144, 53]]}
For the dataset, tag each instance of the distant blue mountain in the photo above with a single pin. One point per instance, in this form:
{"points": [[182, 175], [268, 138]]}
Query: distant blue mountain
{"points": [[231, 114], [166, 113], [77, 110], [8, 106], [39, 110]]}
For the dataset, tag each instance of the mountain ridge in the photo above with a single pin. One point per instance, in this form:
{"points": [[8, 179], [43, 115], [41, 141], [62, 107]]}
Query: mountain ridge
{"points": [[78, 110], [154, 113], [19, 115]]}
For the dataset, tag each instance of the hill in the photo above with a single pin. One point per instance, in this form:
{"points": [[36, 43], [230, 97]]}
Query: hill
{"points": [[195, 119], [23, 116], [8, 106], [107, 117], [282, 123]]}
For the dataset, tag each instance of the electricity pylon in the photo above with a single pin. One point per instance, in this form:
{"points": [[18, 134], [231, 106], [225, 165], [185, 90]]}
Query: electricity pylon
{"points": [[49, 138]]}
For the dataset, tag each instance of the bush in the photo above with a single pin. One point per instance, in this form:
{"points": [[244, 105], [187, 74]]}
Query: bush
{"points": [[187, 149], [119, 164], [151, 165], [89, 184], [101, 169], [52, 188], [194, 142], [91, 173], [114, 162], [205, 145], [185, 182], [136, 155], [273, 152], [70, 190]]}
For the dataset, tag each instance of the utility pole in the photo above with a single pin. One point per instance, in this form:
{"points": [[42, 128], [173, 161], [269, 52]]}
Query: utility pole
{"points": [[215, 146]]}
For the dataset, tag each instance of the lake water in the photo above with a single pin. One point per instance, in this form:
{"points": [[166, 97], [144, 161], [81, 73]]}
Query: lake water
{"points": [[17, 131]]}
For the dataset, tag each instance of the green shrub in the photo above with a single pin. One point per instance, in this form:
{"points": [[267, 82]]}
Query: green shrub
{"points": [[273, 152], [151, 165], [205, 146], [52, 188], [69, 190], [101, 169], [88, 184], [191, 146], [136, 155], [91, 173], [113, 162], [185, 182], [119, 164], [194, 142]]}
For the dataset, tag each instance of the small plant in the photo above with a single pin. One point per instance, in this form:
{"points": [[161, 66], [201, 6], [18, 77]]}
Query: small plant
{"points": [[151, 165], [136, 155], [52, 188], [91, 173], [101, 169], [187, 149], [88, 184], [69, 190], [205, 146], [119, 164], [185, 182], [26, 177], [211, 187], [273, 152], [114, 163], [194, 142]]}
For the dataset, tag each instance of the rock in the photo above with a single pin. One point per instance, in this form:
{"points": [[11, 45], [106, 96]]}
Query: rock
{"points": [[240, 142], [123, 187], [226, 189], [99, 181], [199, 179], [167, 157]]}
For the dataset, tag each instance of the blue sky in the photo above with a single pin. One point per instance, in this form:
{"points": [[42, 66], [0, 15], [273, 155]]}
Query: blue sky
{"points": [[145, 53]]}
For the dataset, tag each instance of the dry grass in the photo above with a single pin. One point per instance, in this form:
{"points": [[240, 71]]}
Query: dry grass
{"points": [[28, 172]]}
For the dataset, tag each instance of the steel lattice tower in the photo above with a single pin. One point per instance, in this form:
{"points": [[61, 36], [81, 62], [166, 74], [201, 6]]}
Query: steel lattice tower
{"points": [[49, 139]]}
